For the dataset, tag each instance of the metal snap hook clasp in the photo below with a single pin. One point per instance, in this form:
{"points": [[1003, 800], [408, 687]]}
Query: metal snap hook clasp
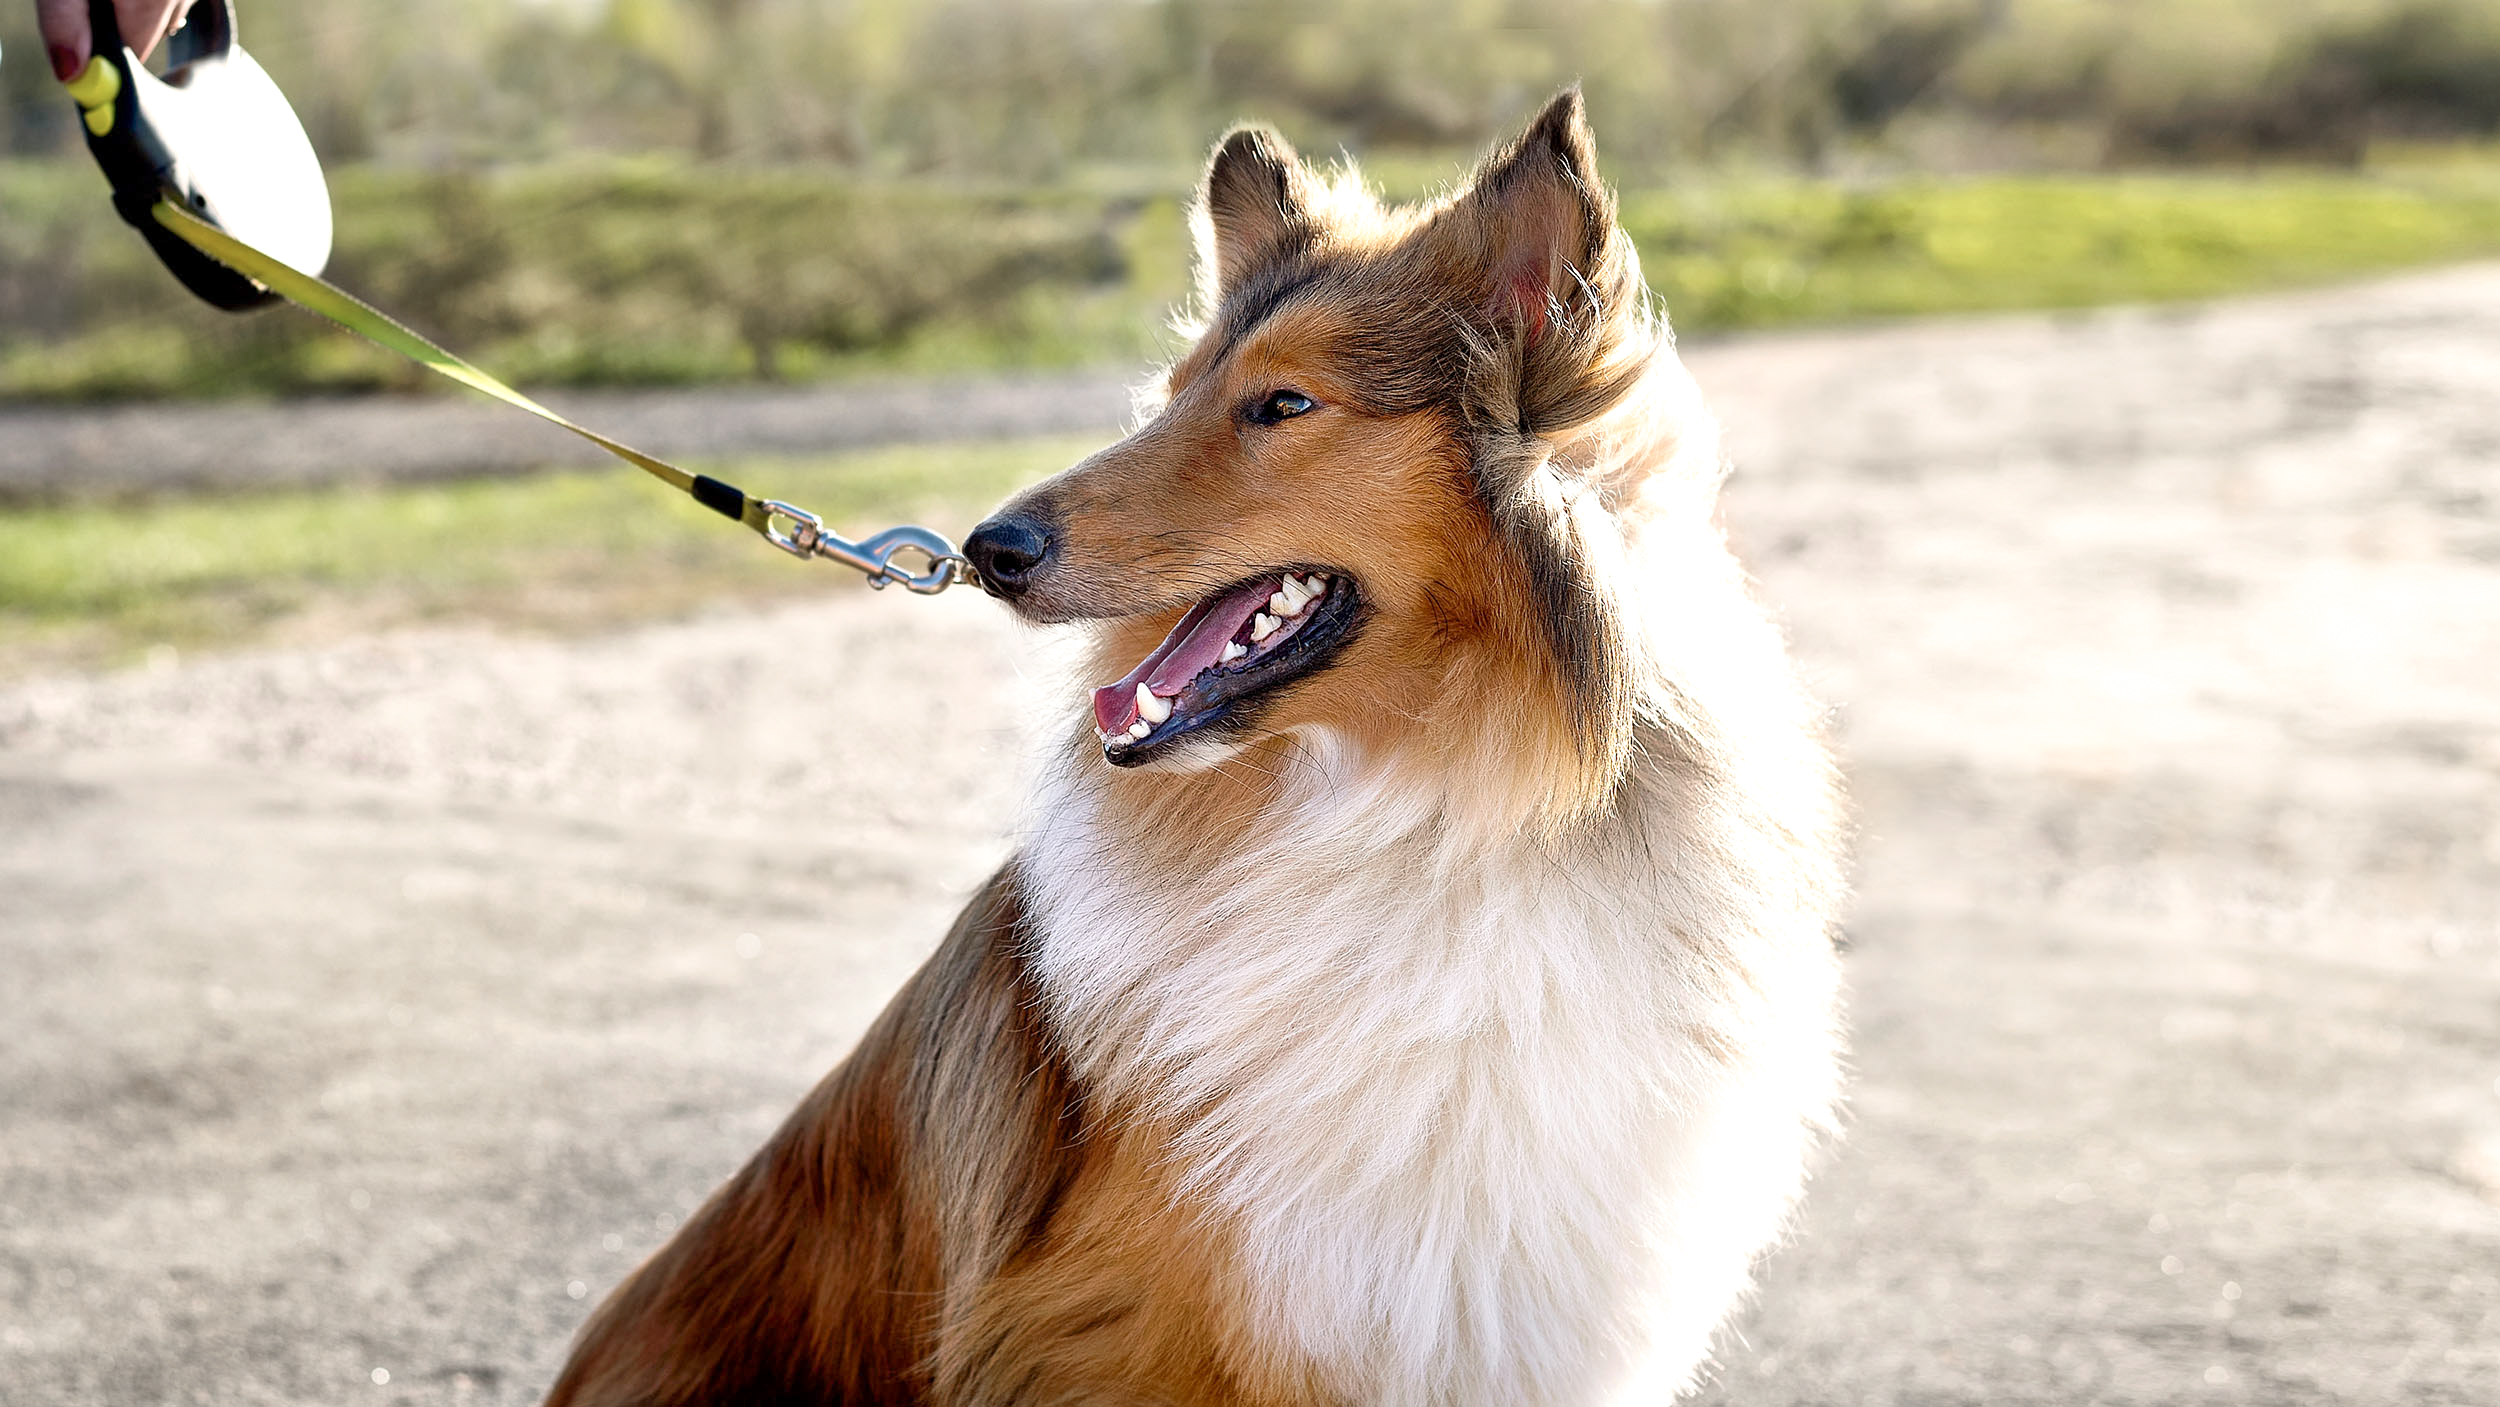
{"points": [[802, 534]]}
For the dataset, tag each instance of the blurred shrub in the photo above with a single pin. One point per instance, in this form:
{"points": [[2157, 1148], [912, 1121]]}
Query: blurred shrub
{"points": [[2414, 68], [1034, 89]]}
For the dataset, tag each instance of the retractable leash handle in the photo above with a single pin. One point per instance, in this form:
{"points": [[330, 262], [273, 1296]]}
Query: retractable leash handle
{"points": [[214, 136], [211, 166]]}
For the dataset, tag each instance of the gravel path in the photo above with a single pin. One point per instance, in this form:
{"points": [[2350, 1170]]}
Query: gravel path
{"points": [[373, 1007], [57, 452]]}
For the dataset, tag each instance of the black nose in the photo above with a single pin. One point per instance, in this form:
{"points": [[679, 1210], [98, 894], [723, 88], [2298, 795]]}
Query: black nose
{"points": [[1008, 551]]}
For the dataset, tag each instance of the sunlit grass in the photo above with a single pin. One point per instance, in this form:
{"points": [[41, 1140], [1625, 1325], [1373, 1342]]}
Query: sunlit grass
{"points": [[90, 584], [1779, 254]]}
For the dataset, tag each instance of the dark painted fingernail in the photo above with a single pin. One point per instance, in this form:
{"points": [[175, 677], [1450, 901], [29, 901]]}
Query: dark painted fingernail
{"points": [[64, 63]]}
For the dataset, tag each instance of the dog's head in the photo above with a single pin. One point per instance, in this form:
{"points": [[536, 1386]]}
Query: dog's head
{"points": [[1355, 508]]}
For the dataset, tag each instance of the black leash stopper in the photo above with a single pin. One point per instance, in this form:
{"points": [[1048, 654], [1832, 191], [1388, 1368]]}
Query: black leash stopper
{"points": [[213, 135]]}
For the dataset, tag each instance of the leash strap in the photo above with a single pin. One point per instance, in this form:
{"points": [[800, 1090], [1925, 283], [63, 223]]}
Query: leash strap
{"points": [[793, 530]]}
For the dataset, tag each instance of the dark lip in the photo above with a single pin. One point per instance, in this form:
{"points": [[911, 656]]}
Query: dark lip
{"points": [[1222, 699]]}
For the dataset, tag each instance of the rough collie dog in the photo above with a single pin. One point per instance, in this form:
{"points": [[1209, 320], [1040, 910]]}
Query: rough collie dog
{"points": [[1417, 984]]}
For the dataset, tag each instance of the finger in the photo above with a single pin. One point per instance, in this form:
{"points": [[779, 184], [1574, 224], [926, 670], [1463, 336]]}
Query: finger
{"points": [[65, 35]]}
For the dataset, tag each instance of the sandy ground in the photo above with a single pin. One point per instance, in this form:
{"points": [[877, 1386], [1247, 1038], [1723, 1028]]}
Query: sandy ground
{"points": [[371, 1008]]}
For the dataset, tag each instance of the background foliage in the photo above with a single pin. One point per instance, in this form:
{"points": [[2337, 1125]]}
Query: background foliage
{"points": [[1031, 89], [638, 191]]}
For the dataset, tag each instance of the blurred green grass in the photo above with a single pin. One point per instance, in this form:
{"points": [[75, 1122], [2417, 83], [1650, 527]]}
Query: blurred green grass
{"points": [[96, 584], [655, 272], [1789, 253]]}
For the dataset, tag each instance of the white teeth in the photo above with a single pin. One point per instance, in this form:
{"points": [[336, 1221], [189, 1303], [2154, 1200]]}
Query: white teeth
{"points": [[1295, 596], [1281, 604], [1137, 731], [1262, 626], [1233, 650], [1152, 707]]}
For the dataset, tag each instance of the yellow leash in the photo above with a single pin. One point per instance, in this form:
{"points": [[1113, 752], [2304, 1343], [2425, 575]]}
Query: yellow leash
{"points": [[793, 530]]}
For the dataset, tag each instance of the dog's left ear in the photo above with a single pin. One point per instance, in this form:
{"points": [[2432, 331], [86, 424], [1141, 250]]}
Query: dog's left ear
{"points": [[1544, 218], [1556, 286]]}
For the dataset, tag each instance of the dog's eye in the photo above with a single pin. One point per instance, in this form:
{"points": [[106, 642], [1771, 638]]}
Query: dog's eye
{"points": [[1284, 405]]}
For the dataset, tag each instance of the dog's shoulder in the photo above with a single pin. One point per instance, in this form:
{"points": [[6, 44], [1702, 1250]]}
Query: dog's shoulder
{"points": [[944, 1219]]}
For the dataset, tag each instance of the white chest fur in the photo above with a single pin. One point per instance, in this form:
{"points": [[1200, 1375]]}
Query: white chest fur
{"points": [[1500, 1122]]}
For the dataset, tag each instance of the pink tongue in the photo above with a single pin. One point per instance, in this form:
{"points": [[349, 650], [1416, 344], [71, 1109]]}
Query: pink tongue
{"points": [[1194, 644]]}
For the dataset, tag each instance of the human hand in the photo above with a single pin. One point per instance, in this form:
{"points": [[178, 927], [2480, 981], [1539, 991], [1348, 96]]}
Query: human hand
{"points": [[70, 40]]}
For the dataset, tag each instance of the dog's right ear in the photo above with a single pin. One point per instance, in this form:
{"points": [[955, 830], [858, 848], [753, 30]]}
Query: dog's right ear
{"points": [[1254, 209]]}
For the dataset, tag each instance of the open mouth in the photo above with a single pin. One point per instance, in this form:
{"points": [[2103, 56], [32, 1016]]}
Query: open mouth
{"points": [[1231, 649]]}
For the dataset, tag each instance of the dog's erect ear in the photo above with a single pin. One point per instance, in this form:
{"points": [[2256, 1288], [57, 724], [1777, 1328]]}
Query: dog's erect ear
{"points": [[1543, 218], [1254, 209], [1560, 332], [1556, 287]]}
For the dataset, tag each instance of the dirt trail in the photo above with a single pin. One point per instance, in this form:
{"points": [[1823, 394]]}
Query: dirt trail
{"points": [[373, 1007], [66, 452]]}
